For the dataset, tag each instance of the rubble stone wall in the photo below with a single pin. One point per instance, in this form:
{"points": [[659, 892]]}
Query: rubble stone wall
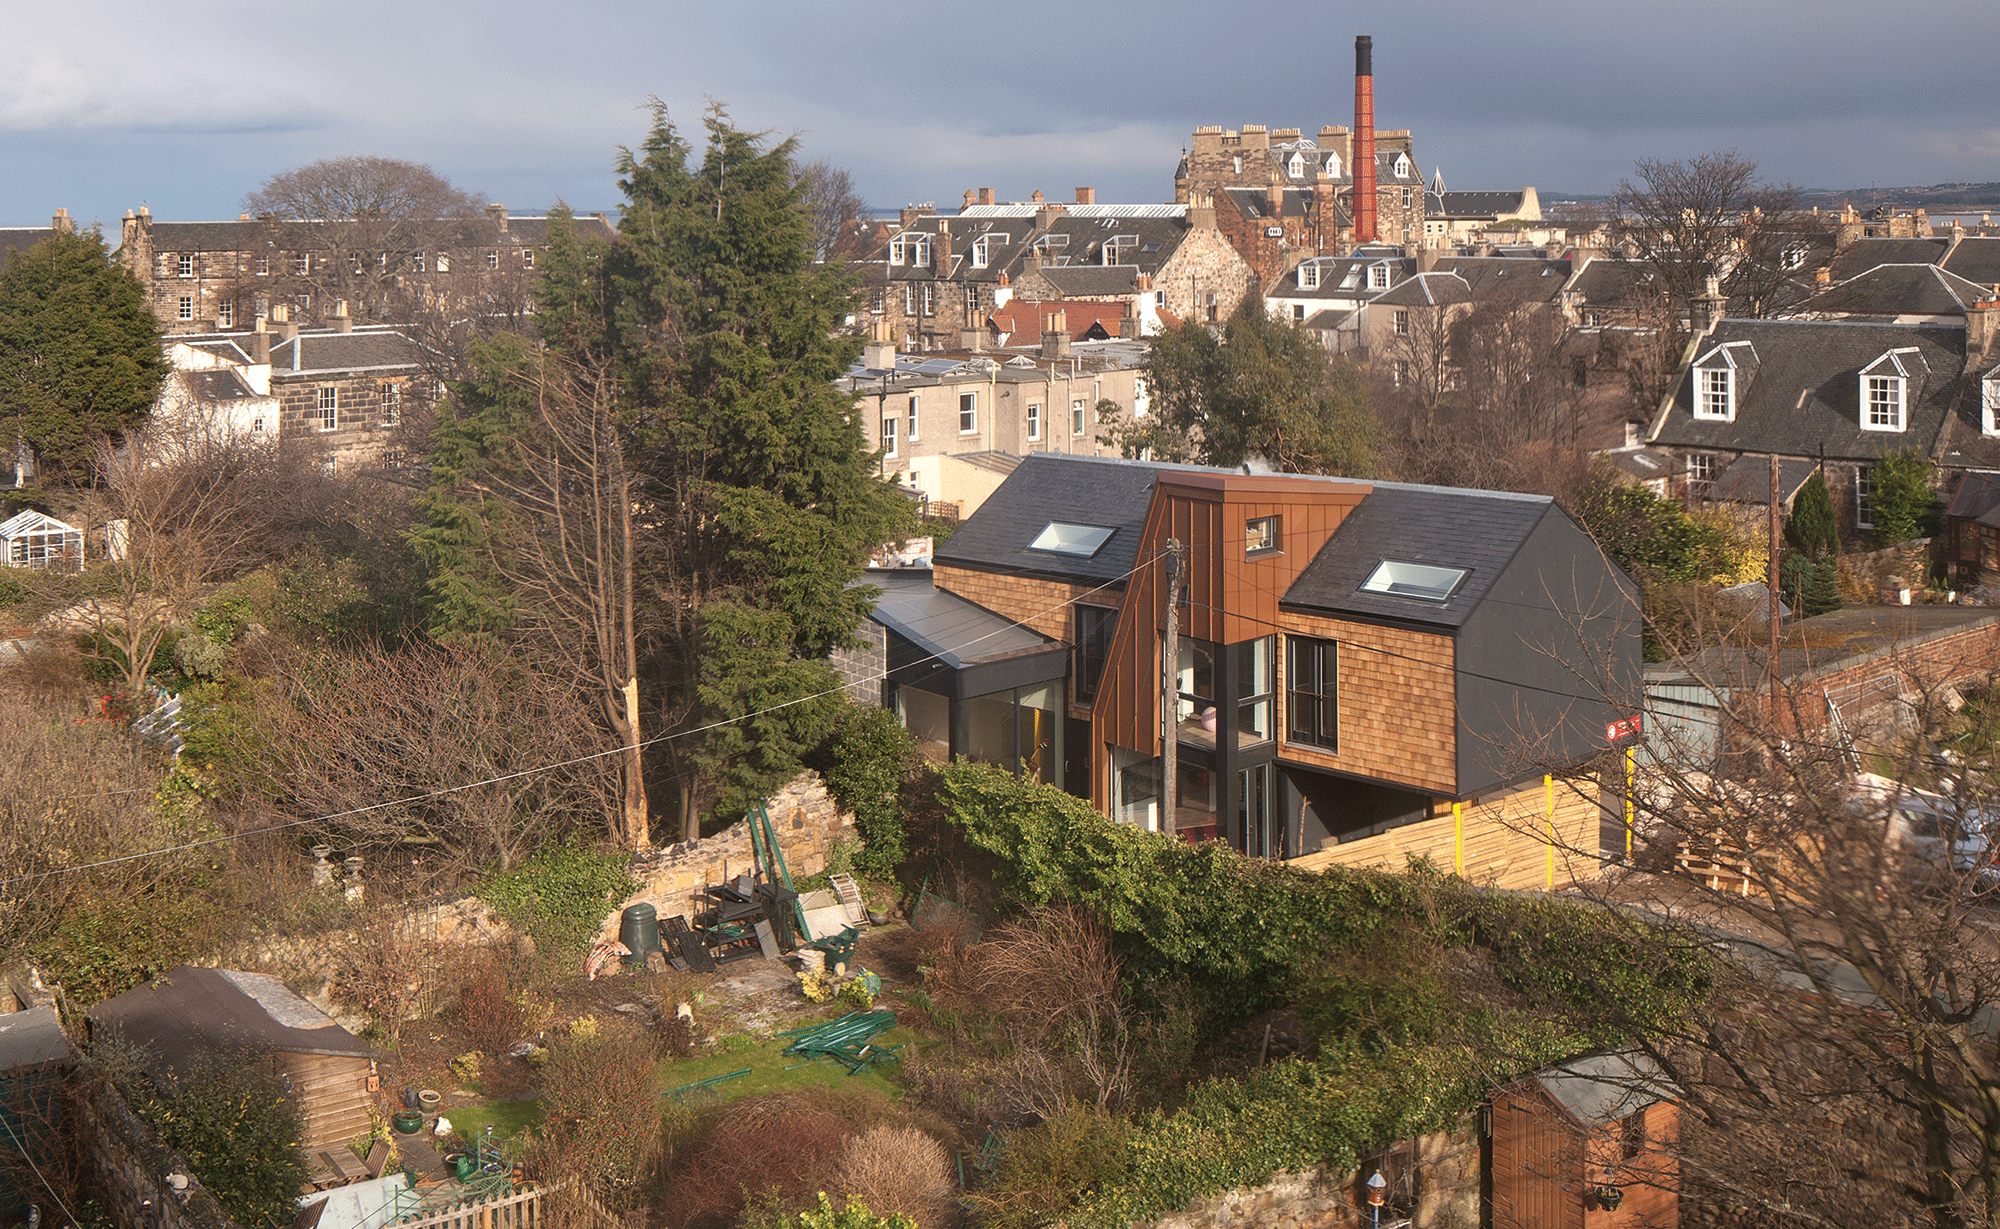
{"points": [[809, 823], [132, 1165], [1320, 1198]]}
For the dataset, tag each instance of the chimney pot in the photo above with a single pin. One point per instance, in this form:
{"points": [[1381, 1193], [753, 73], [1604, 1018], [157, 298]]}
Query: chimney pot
{"points": [[62, 223]]}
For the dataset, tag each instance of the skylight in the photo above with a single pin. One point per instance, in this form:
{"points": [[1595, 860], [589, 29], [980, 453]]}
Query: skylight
{"points": [[1418, 580], [1063, 539]]}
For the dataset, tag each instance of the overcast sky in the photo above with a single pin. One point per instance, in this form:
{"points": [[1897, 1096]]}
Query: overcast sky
{"points": [[105, 106]]}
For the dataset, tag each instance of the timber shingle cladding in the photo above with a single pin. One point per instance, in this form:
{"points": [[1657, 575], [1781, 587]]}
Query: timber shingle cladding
{"points": [[1424, 690]]}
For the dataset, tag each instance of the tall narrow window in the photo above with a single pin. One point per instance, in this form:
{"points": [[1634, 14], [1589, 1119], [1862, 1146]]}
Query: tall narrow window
{"points": [[1034, 421], [326, 409], [1885, 403], [1313, 693], [1715, 393], [493, 258], [1253, 689], [184, 264], [1093, 628], [1402, 322], [1078, 417], [527, 258], [392, 404], [1864, 491], [888, 435], [225, 314], [912, 433], [968, 413], [186, 310]]}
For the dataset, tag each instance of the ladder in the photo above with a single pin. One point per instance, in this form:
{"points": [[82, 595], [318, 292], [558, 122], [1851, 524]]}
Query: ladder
{"points": [[850, 897]]}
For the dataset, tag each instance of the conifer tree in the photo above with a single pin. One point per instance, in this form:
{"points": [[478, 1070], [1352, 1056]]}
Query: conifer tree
{"points": [[1811, 526], [79, 349]]}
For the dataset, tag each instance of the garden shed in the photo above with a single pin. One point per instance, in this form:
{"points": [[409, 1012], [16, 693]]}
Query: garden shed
{"points": [[34, 1054], [1586, 1144], [190, 1013], [37, 540]]}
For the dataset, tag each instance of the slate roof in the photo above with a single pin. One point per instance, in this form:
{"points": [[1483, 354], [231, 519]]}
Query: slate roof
{"points": [[1603, 1088], [1334, 272], [224, 384], [361, 350], [31, 1037], [1426, 290], [252, 234], [1048, 487], [1084, 281], [1976, 258], [945, 625], [1977, 499], [1806, 395], [1897, 290], [1441, 526], [1864, 254], [20, 239], [1527, 277], [1642, 464], [190, 1012], [1606, 281], [1477, 204], [1747, 480]]}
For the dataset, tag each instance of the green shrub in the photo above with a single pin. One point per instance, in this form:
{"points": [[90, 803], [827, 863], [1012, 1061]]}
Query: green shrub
{"points": [[234, 1118], [865, 763], [561, 895], [1812, 526], [854, 1216], [1901, 503]]}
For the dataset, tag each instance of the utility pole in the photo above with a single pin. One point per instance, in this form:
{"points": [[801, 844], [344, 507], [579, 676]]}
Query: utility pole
{"points": [[1772, 573], [1170, 692]]}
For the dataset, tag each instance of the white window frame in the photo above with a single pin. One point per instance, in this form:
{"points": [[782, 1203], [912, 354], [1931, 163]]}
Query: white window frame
{"points": [[1402, 167], [225, 314], [1378, 277], [392, 404], [443, 262], [417, 263], [1332, 166], [184, 264], [1079, 416], [1141, 396], [1309, 275], [527, 258], [1034, 421], [1700, 473], [927, 299], [968, 413], [185, 310], [1884, 404], [263, 266], [979, 252], [1715, 394], [1864, 494], [911, 434], [326, 409], [493, 258], [888, 435], [302, 264], [1295, 166], [909, 298], [1989, 403], [1401, 322]]}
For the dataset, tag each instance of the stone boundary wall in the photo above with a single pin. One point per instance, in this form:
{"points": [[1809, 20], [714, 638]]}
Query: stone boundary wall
{"points": [[809, 824], [132, 1165], [1448, 1181], [1972, 652]]}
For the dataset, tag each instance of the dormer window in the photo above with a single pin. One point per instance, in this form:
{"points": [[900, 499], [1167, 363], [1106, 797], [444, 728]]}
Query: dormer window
{"points": [[910, 249], [1402, 166], [1378, 277], [1886, 385], [1715, 394], [1332, 165], [1296, 166], [1309, 275], [1721, 377]]}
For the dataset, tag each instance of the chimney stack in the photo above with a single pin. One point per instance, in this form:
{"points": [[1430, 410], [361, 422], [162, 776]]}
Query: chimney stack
{"points": [[1708, 306], [497, 212], [1086, 196], [970, 197], [1364, 139], [1980, 322], [986, 196], [342, 322], [1055, 336], [62, 223], [260, 343], [879, 354]]}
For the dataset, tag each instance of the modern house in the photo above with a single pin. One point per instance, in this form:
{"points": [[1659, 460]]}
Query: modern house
{"points": [[1587, 1144], [1360, 671], [191, 1014]]}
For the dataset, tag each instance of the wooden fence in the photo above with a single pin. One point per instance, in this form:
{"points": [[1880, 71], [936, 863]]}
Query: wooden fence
{"points": [[525, 1209]]}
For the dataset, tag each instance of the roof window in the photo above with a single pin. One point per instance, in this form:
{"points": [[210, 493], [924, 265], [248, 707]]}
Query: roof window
{"points": [[1065, 539], [1423, 581]]}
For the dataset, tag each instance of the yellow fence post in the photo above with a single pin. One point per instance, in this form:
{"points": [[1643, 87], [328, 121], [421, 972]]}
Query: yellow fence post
{"points": [[1458, 833], [1631, 760], [1549, 789]]}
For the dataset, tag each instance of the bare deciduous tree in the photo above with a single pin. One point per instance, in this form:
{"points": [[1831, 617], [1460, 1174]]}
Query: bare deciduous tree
{"points": [[1686, 219], [459, 748], [834, 210], [358, 229]]}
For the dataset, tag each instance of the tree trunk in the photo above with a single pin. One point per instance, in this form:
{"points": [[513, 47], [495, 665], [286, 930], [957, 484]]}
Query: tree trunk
{"points": [[638, 829]]}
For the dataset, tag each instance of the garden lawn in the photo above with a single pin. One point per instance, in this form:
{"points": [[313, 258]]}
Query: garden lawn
{"points": [[772, 1070]]}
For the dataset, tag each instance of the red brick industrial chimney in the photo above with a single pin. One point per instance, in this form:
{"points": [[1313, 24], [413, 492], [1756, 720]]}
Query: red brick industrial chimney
{"points": [[1364, 139]]}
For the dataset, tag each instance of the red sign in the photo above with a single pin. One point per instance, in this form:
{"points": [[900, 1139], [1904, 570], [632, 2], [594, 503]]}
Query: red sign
{"points": [[1615, 731]]}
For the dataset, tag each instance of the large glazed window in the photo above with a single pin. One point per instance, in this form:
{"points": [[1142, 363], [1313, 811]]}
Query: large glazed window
{"points": [[1312, 692]]}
